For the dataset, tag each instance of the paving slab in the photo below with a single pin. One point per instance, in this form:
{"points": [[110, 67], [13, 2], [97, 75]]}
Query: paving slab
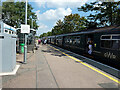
{"points": [[49, 68], [71, 74], [34, 74]]}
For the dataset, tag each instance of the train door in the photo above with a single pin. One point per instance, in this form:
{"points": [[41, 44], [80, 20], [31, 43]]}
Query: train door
{"points": [[63, 41], [88, 42]]}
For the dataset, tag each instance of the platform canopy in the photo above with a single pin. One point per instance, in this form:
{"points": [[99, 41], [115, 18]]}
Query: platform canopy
{"points": [[9, 27]]}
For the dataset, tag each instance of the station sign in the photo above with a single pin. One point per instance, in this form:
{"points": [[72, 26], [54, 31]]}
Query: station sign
{"points": [[25, 28]]}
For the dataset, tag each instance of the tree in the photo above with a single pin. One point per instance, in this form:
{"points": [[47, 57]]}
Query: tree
{"points": [[106, 13], [13, 14], [74, 22], [49, 33], [58, 29], [43, 35], [71, 23]]}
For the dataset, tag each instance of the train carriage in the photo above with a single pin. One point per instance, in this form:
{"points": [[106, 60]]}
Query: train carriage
{"points": [[59, 40], [53, 40], [105, 43]]}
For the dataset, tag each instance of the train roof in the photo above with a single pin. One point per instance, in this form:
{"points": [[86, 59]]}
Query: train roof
{"points": [[51, 36], [104, 29]]}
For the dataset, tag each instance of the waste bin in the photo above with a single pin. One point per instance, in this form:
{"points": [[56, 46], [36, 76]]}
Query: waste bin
{"points": [[22, 48]]}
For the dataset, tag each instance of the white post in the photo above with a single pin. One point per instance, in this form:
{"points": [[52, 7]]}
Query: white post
{"points": [[26, 13], [25, 47], [1, 31]]}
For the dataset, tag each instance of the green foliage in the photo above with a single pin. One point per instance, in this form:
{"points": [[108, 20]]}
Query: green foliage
{"points": [[37, 37], [107, 13], [43, 35], [58, 29], [71, 23], [13, 14]]}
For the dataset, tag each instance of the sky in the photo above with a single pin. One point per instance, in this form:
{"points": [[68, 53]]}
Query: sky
{"points": [[50, 11]]}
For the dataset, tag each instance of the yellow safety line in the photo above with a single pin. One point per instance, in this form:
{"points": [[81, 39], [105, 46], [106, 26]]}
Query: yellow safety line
{"points": [[87, 65]]}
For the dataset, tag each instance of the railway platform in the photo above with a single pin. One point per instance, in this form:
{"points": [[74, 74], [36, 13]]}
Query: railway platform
{"points": [[53, 67]]}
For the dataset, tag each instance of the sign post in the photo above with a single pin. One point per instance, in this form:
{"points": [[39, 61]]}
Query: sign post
{"points": [[25, 29]]}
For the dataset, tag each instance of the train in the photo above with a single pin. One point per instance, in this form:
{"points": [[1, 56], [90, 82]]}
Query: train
{"points": [[105, 44]]}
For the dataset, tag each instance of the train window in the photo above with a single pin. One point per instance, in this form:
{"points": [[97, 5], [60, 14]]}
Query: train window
{"points": [[66, 40], [106, 43], [115, 37], [78, 40], [110, 44], [118, 44], [115, 44], [106, 37], [70, 41], [73, 40]]}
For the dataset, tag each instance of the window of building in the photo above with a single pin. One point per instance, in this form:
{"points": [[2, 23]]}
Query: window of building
{"points": [[6, 31], [9, 32]]}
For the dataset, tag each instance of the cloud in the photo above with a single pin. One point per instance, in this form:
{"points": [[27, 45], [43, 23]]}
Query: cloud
{"points": [[57, 10], [60, 3], [48, 19], [42, 29], [53, 14], [41, 26]]}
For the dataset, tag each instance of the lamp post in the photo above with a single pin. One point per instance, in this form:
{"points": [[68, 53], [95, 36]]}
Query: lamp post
{"points": [[0, 10], [32, 24], [25, 47], [33, 20]]}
